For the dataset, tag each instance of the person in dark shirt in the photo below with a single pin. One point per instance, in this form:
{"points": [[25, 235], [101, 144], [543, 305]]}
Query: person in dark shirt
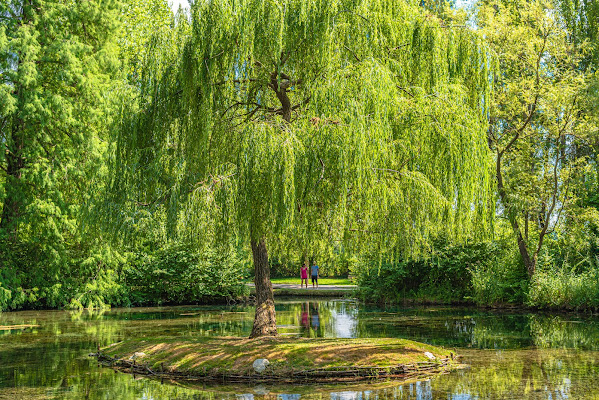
{"points": [[314, 271], [315, 319]]}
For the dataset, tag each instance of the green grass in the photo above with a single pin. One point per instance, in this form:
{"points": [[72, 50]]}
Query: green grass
{"points": [[231, 355], [321, 281]]}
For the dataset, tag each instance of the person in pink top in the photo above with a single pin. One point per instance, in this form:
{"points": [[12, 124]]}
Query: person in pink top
{"points": [[304, 275]]}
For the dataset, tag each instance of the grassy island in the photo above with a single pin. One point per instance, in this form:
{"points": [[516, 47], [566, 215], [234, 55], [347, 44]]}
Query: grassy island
{"points": [[291, 359]]}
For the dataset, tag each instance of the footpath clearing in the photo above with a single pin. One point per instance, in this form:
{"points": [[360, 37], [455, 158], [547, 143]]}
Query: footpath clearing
{"points": [[287, 289]]}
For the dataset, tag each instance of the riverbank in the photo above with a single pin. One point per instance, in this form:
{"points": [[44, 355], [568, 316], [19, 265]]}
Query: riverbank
{"points": [[290, 359]]}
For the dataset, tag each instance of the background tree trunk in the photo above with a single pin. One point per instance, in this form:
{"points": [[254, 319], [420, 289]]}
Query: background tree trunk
{"points": [[265, 322], [15, 163], [529, 262]]}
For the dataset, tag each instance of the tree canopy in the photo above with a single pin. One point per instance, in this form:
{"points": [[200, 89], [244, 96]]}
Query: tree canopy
{"points": [[57, 63], [364, 120], [541, 125]]}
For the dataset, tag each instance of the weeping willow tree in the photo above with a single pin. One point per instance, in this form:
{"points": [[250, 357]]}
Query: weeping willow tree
{"points": [[359, 121]]}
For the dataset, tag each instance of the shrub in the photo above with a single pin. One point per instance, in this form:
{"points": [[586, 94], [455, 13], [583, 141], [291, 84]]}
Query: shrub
{"points": [[503, 280], [564, 288], [178, 274], [444, 276]]}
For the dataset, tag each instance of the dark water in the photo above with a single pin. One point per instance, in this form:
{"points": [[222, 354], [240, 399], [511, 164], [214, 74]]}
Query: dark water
{"points": [[512, 355]]}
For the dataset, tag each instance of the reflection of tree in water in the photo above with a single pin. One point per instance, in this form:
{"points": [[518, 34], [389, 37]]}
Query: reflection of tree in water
{"points": [[501, 331], [551, 331], [528, 374], [445, 326]]}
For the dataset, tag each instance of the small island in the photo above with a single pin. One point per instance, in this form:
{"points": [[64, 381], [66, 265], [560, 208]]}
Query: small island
{"points": [[290, 359]]}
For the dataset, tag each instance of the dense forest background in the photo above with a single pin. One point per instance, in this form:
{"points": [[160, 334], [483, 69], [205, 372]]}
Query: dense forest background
{"points": [[445, 155]]}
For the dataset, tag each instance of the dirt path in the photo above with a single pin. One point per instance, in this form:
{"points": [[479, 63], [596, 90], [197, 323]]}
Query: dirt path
{"points": [[320, 287], [341, 288]]}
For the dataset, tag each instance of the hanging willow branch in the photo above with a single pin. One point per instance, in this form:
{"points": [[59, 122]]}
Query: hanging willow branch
{"points": [[243, 67]]}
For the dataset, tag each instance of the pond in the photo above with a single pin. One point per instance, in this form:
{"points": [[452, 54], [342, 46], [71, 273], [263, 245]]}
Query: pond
{"points": [[512, 355]]}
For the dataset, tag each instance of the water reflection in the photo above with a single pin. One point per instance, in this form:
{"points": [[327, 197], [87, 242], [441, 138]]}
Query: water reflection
{"points": [[310, 320], [513, 355]]}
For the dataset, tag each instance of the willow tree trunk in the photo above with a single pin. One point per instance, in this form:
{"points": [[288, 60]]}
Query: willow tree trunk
{"points": [[265, 322]]}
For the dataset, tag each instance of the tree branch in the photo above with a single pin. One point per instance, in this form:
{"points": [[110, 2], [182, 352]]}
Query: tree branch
{"points": [[550, 211], [533, 106], [353, 53], [321, 174], [405, 91]]}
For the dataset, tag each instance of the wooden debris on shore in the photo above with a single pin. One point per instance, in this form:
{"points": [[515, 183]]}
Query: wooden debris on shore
{"points": [[15, 327]]}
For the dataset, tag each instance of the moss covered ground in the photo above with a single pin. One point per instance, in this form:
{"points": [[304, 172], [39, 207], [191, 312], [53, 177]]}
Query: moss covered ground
{"points": [[233, 356]]}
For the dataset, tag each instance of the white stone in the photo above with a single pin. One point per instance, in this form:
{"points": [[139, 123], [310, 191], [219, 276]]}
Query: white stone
{"points": [[430, 355], [260, 364], [261, 390], [137, 354]]}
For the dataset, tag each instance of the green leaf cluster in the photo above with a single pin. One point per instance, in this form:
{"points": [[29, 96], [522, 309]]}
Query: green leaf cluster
{"points": [[359, 122]]}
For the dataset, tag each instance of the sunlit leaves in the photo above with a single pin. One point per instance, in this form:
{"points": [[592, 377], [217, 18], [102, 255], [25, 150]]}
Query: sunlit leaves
{"points": [[385, 142]]}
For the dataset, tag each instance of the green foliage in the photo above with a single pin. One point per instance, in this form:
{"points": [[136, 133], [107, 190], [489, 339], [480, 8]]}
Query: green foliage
{"points": [[442, 276], [57, 61], [581, 18], [86, 278], [141, 149], [101, 285], [58, 66], [561, 288], [542, 125], [288, 257], [382, 120], [100, 277], [503, 280], [177, 274], [142, 21], [543, 133], [59, 91]]}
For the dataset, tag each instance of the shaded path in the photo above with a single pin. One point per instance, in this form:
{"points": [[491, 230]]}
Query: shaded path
{"points": [[321, 290]]}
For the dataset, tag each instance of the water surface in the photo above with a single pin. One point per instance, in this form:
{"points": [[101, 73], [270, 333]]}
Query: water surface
{"points": [[512, 355]]}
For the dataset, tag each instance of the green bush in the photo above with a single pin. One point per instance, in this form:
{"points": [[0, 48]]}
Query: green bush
{"points": [[79, 276], [499, 282], [98, 276], [179, 275], [444, 276], [564, 289]]}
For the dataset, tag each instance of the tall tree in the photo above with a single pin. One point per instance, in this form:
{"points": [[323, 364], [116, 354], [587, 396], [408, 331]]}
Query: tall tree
{"points": [[55, 64], [538, 124], [293, 117]]}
